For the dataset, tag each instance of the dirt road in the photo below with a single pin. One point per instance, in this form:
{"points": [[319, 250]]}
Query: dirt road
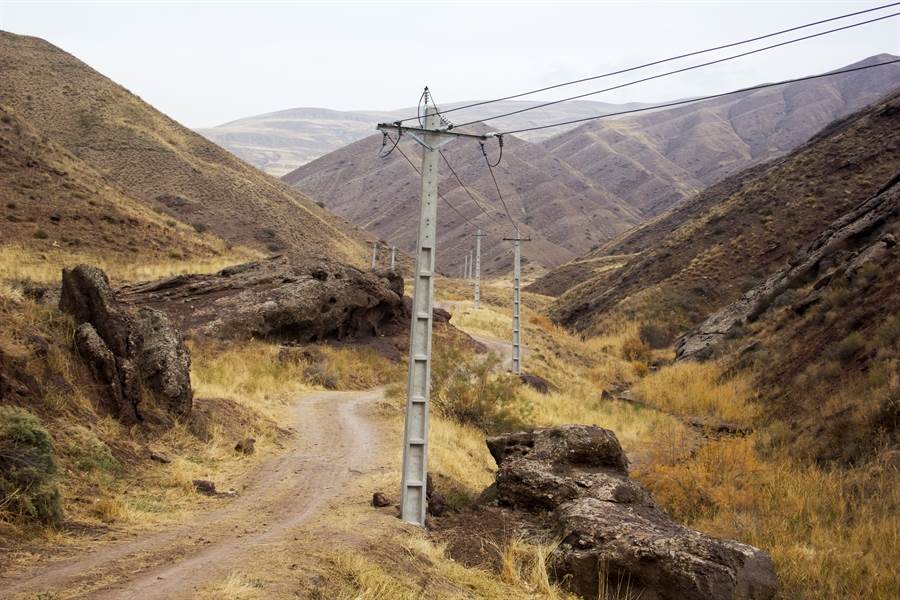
{"points": [[336, 440]]}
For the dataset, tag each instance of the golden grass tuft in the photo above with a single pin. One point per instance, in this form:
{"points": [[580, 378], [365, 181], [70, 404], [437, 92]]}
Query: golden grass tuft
{"points": [[699, 389]]}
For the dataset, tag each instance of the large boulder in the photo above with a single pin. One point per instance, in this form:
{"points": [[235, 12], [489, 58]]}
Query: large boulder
{"points": [[127, 350], [610, 528], [293, 300]]}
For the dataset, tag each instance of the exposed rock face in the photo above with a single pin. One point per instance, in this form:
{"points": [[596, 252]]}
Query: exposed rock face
{"points": [[302, 301], [127, 350], [610, 527], [824, 253]]}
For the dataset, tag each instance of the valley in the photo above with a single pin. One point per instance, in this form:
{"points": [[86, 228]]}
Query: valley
{"points": [[204, 371]]}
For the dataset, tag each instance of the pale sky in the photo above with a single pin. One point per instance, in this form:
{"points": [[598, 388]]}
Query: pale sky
{"points": [[205, 63]]}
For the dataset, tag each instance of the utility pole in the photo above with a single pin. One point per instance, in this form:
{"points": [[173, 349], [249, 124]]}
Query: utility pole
{"points": [[471, 265], [517, 304], [374, 253], [393, 254], [478, 237], [465, 267], [413, 501]]}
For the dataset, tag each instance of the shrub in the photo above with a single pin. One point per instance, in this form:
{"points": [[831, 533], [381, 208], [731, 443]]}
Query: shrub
{"points": [[27, 488], [466, 389], [200, 227], [635, 349], [40, 234], [654, 336]]}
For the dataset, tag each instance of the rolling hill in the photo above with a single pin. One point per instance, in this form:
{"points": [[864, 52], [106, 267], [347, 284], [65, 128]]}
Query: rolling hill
{"points": [[154, 160], [581, 189], [281, 141], [654, 160], [709, 250], [555, 205], [52, 200]]}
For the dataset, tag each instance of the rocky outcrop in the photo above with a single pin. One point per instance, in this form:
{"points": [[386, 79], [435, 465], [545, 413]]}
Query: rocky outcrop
{"points": [[610, 527], [837, 248], [280, 299], [127, 350]]}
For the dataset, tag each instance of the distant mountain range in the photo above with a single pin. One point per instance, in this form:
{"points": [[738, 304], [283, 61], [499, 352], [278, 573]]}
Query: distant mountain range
{"points": [[575, 191], [281, 141]]}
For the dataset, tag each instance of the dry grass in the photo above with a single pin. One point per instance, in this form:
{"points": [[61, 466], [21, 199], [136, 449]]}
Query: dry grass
{"points": [[18, 263], [699, 389], [358, 576], [832, 534]]}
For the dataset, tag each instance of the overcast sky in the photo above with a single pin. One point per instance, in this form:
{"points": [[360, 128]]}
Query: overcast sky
{"points": [[205, 63]]}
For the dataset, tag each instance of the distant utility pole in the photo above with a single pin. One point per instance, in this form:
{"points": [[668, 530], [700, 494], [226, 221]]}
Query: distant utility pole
{"points": [[471, 265], [465, 266], [517, 304], [413, 502], [374, 253], [393, 254], [478, 237]]}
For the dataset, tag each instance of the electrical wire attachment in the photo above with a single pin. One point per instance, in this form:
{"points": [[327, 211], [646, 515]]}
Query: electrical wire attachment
{"points": [[499, 158], [384, 141]]}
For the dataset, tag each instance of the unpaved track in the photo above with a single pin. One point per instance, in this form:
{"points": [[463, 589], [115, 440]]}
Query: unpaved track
{"points": [[335, 441]]}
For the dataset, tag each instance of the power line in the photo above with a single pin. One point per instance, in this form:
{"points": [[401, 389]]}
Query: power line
{"points": [[665, 60], [681, 70], [441, 196], [494, 179], [700, 99], [478, 204]]}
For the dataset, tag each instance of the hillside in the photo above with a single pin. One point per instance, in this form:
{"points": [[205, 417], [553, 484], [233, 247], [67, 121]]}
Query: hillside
{"points": [[654, 160], [556, 206], [157, 161], [731, 236], [281, 141], [53, 201], [581, 189]]}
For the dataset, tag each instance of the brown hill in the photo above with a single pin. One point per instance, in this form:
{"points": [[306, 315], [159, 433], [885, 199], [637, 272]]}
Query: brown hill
{"points": [[654, 160], [54, 201], [555, 205], [154, 159], [731, 236], [281, 141]]}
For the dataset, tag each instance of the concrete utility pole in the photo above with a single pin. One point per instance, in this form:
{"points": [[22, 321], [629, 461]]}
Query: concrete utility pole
{"points": [[413, 501], [478, 237], [471, 265], [393, 255], [465, 266], [517, 304], [374, 253]]}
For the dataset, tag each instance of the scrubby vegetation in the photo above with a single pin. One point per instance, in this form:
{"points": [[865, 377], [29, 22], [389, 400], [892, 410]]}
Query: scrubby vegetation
{"points": [[28, 491]]}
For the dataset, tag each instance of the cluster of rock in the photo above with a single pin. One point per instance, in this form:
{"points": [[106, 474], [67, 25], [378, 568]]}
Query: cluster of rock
{"points": [[130, 351], [278, 298], [829, 255], [610, 528]]}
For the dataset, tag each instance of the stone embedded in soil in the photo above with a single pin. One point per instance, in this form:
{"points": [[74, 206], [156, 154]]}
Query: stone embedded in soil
{"points": [[246, 446], [205, 487], [609, 526], [379, 500]]}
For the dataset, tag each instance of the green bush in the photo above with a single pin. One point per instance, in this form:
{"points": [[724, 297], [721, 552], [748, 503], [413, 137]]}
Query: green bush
{"points": [[467, 389], [28, 490]]}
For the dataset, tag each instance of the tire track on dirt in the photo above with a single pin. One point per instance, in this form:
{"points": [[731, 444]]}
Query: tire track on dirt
{"points": [[335, 441]]}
